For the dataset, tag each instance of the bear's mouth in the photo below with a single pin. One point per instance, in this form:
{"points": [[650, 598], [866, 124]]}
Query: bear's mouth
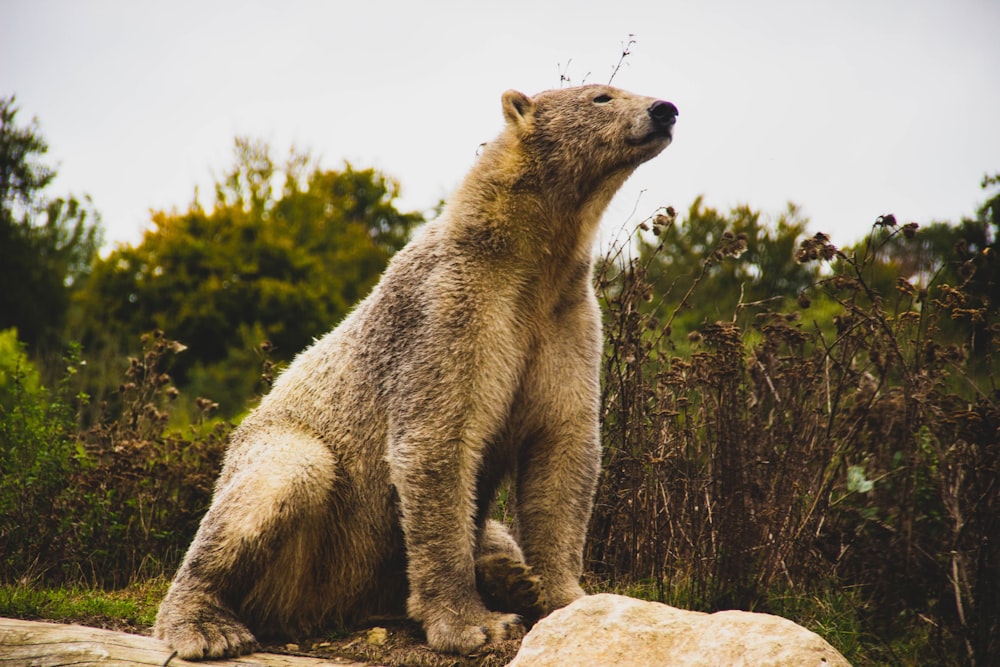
{"points": [[654, 136]]}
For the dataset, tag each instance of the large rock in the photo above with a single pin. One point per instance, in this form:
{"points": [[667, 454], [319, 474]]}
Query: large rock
{"points": [[618, 631]]}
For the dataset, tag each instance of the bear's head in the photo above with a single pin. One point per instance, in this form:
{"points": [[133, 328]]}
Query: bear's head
{"points": [[582, 138]]}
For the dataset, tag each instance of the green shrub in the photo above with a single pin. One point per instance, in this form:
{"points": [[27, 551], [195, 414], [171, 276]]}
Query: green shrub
{"points": [[38, 457], [112, 501]]}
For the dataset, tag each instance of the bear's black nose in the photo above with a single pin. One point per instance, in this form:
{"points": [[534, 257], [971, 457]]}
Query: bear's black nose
{"points": [[663, 113]]}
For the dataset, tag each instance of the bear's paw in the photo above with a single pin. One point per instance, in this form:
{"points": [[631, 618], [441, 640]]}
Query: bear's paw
{"points": [[508, 585], [207, 635], [467, 635]]}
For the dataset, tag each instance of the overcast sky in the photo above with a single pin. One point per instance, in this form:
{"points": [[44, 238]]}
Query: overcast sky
{"points": [[850, 109]]}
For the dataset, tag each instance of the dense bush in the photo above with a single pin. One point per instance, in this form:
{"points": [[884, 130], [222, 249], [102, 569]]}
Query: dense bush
{"points": [[838, 440], [105, 503], [37, 459]]}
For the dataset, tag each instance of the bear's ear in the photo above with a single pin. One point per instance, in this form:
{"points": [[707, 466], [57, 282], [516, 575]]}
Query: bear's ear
{"points": [[518, 108]]}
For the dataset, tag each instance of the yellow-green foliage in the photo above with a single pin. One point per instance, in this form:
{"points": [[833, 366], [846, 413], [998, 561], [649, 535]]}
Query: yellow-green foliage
{"points": [[17, 373], [262, 264]]}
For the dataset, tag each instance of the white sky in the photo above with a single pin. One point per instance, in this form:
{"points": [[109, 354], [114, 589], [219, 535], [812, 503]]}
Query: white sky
{"points": [[850, 109]]}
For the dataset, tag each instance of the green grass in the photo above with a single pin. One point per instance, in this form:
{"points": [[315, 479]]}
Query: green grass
{"points": [[132, 608]]}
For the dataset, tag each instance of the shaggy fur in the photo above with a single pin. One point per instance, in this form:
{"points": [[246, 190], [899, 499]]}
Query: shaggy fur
{"points": [[362, 483]]}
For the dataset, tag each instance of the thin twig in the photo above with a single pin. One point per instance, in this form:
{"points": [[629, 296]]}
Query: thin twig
{"points": [[626, 51]]}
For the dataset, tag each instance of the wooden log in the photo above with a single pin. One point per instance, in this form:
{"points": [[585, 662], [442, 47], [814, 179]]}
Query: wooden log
{"points": [[37, 644]]}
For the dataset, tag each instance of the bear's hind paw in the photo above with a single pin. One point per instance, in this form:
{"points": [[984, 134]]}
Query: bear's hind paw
{"points": [[209, 638], [506, 584]]}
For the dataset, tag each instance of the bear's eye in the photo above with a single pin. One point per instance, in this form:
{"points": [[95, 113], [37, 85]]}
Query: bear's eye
{"points": [[602, 99]]}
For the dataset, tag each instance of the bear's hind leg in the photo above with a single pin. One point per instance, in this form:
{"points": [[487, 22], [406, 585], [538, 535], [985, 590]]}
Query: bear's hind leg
{"points": [[252, 566]]}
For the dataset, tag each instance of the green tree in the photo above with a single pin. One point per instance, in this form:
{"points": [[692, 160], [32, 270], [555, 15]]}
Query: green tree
{"points": [[972, 251], [282, 255], [736, 258], [47, 244]]}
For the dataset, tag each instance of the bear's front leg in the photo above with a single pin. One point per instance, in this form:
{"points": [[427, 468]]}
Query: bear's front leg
{"points": [[559, 464], [435, 481], [554, 500]]}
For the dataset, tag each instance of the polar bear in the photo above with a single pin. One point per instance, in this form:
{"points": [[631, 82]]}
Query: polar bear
{"points": [[363, 482]]}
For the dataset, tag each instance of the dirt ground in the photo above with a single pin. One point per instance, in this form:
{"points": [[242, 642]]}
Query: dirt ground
{"points": [[389, 642], [396, 643]]}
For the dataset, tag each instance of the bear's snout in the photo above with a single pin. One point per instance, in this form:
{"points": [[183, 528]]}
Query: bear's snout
{"points": [[664, 114]]}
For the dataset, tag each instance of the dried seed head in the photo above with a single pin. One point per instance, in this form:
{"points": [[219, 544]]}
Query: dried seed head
{"points": [[815, 248], [843, 322], [206, 405], [905, 286]]}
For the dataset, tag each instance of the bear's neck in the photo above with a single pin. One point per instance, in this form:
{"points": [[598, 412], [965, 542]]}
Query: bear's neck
{"points": [[523, 206]]}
